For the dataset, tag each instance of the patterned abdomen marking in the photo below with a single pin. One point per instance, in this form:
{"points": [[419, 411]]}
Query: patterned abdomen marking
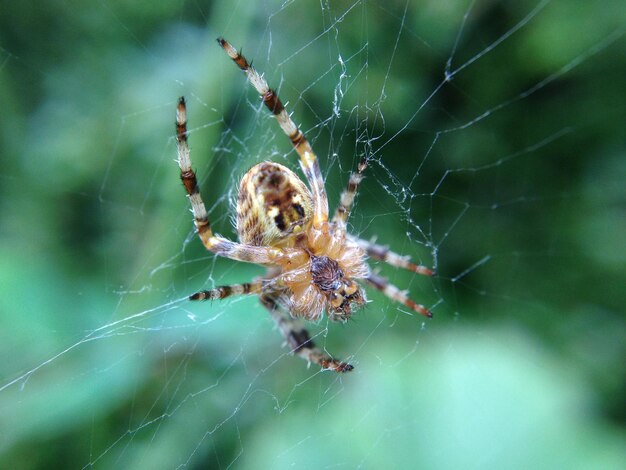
{"points": [[273, 203]]}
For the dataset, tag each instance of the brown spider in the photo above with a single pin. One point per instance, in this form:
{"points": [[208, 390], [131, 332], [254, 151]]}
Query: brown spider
{"points": [[313, 264]]}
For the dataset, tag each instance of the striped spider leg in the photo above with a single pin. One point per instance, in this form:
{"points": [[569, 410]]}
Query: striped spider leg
{"points": [[378, 252], [218, 245], [298, 338], [308, 160]]}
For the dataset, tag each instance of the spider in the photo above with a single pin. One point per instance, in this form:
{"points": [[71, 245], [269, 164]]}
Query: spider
{"points": [[313, 264]]}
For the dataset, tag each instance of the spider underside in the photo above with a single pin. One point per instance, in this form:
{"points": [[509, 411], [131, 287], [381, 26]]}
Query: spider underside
{"points": [[313, 264]]}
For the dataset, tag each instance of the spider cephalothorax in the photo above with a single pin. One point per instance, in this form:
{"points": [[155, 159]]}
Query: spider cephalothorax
{"points": [[322, 275], [342, 293], [314, 265]]}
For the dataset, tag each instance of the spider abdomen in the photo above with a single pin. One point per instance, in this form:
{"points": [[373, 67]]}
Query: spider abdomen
{"points": [[272, 205]]}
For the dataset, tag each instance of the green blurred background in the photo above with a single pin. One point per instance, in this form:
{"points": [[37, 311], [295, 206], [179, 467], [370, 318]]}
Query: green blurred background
{"points": [[509, 179]]}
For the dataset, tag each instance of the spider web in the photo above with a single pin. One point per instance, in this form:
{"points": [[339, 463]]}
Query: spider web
{"points": [[473, 129]]}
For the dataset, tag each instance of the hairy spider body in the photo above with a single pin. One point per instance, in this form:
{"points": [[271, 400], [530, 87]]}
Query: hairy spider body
{"points": [[320, 274], [313, 264], [275, 208]]}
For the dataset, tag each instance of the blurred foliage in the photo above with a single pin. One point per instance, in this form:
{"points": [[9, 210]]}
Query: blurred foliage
{"points": [[522, 212]]}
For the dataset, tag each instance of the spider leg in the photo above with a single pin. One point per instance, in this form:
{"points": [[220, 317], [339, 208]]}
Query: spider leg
{"points": [[383, 253], [308, 161], [379, 252], [391, 291], [221, 292], [348, 194], [218, 245], [299, 339]]}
